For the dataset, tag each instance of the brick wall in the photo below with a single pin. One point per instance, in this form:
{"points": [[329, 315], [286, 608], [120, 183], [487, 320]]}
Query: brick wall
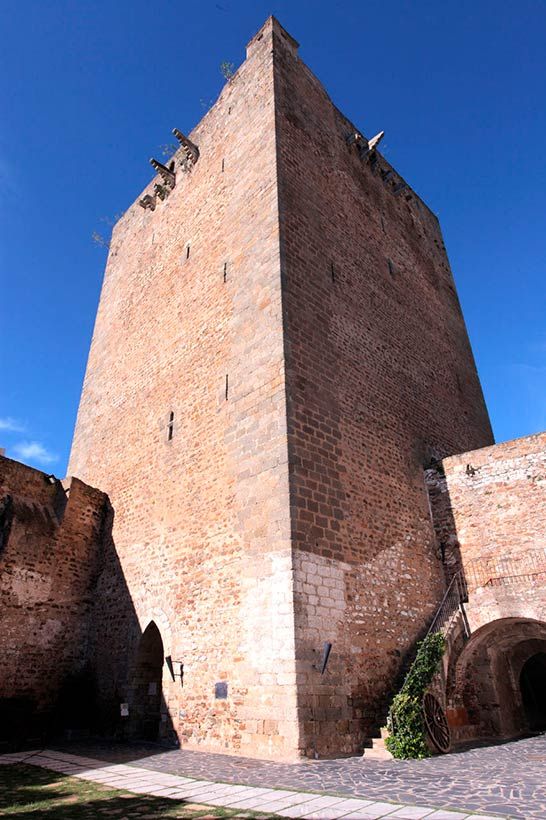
{"points": [[201, 522], [49, 560], [380, 377], [286, 510], [489, 508]]}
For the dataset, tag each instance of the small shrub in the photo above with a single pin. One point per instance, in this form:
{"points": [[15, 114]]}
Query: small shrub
{"points": [[408, 733], [227, 70], [168, 149], [99, 238]]}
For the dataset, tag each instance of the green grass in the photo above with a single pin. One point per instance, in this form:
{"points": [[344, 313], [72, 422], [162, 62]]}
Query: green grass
{"points": [[32, 793]]}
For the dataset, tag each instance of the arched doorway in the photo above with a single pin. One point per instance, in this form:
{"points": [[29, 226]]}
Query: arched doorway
{"points": [[497, 684], [532, 681], [146, 702]]}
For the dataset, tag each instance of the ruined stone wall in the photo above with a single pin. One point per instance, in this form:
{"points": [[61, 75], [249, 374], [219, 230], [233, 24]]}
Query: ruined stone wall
{"points": [[190, 324], [380, 378], [50, 553], [489, 508]]}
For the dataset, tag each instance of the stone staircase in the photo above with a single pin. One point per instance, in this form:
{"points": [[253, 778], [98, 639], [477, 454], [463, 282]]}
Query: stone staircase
{"points": [[378, 750], [450, 613]]}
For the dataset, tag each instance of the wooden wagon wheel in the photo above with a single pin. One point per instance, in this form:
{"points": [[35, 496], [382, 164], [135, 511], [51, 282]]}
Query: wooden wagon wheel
{"points": [[436, 723]]}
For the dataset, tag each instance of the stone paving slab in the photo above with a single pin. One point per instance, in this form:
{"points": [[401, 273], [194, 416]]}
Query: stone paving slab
{"points": [[256, 801], [296, 801], [250, 793], [447, 815], [281, 802], [375, 811], [325, 805], [339, 810], [284, 799], [350, 805], [504, 780], [414, 813]]}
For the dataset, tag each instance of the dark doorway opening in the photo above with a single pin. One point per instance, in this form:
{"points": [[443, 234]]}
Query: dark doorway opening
{"points": [[533, 690], [146, 706]]}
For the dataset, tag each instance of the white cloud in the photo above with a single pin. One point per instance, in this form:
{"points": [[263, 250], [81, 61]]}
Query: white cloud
{"points": [[11, 425], [34, 451]]}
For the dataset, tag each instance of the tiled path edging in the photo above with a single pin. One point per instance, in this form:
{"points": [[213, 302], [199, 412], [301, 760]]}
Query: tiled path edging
{"points": [[280, 802]]}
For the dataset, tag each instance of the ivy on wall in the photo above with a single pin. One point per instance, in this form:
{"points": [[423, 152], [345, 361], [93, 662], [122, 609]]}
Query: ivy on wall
{"points": [[408, 734]]}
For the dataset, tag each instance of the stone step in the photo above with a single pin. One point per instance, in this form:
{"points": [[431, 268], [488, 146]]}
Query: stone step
{"points": [[378, 750]]}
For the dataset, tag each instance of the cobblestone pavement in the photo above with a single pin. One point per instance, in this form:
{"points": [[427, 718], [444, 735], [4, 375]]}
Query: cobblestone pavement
{"points": [[240, 801], [507, 779]]}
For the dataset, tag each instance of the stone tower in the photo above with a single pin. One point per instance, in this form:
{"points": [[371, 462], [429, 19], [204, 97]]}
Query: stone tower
{"points": [[279, 351]]}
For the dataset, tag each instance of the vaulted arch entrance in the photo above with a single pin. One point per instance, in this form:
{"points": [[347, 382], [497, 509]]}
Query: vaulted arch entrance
{"points": [[498, 684], [145, 708], [532, 682]]}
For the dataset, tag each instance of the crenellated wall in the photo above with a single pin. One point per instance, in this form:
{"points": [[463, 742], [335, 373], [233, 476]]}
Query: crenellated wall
{"points": [[50, 557]]}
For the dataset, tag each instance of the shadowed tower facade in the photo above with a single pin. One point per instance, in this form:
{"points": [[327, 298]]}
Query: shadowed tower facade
{"points": [[279, 351]]}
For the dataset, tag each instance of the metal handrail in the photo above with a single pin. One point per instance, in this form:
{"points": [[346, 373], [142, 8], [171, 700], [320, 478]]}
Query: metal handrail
{"points": [[451, 603]]}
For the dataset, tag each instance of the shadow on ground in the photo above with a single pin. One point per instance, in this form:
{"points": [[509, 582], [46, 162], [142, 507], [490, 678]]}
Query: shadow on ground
{"points": [[30, 792], [502, 779]]}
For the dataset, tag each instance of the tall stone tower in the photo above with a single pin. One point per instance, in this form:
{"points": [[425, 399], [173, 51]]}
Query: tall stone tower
{"points": [[278, 352]]}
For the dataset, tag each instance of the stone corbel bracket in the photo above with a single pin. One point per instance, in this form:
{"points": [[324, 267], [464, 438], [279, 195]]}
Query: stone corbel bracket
{"points": [[366, 148], [168, 176], [160, 191], [147, 202], [191, 151]]}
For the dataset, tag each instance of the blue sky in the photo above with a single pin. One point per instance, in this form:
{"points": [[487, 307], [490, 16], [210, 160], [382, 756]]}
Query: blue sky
{"points": [[90, 90]]}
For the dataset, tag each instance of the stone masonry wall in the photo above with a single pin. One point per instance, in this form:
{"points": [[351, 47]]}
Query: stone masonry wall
{"points": [[190, 324], [380, 378], [50, 552], [284, 510], [489, 508]]}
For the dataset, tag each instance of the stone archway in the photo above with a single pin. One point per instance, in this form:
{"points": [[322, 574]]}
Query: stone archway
{"points": [[485, 686], [532, 682], [145, 706]]}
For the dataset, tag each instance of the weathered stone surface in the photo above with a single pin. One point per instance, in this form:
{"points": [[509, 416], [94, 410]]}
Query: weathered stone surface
{"points": [[288, 508], [49, 560], [489, 509], [379, 377], [279, 352]]}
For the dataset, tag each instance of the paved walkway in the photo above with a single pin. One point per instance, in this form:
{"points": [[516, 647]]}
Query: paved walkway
{"points": [[143, 779], [507, 780]]}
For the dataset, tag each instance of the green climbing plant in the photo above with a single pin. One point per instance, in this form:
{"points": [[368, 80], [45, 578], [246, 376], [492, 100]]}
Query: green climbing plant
{"points": [[408, 733]]}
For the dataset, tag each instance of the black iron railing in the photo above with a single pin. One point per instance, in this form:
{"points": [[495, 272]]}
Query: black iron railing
{"points": [[451, 606]]}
